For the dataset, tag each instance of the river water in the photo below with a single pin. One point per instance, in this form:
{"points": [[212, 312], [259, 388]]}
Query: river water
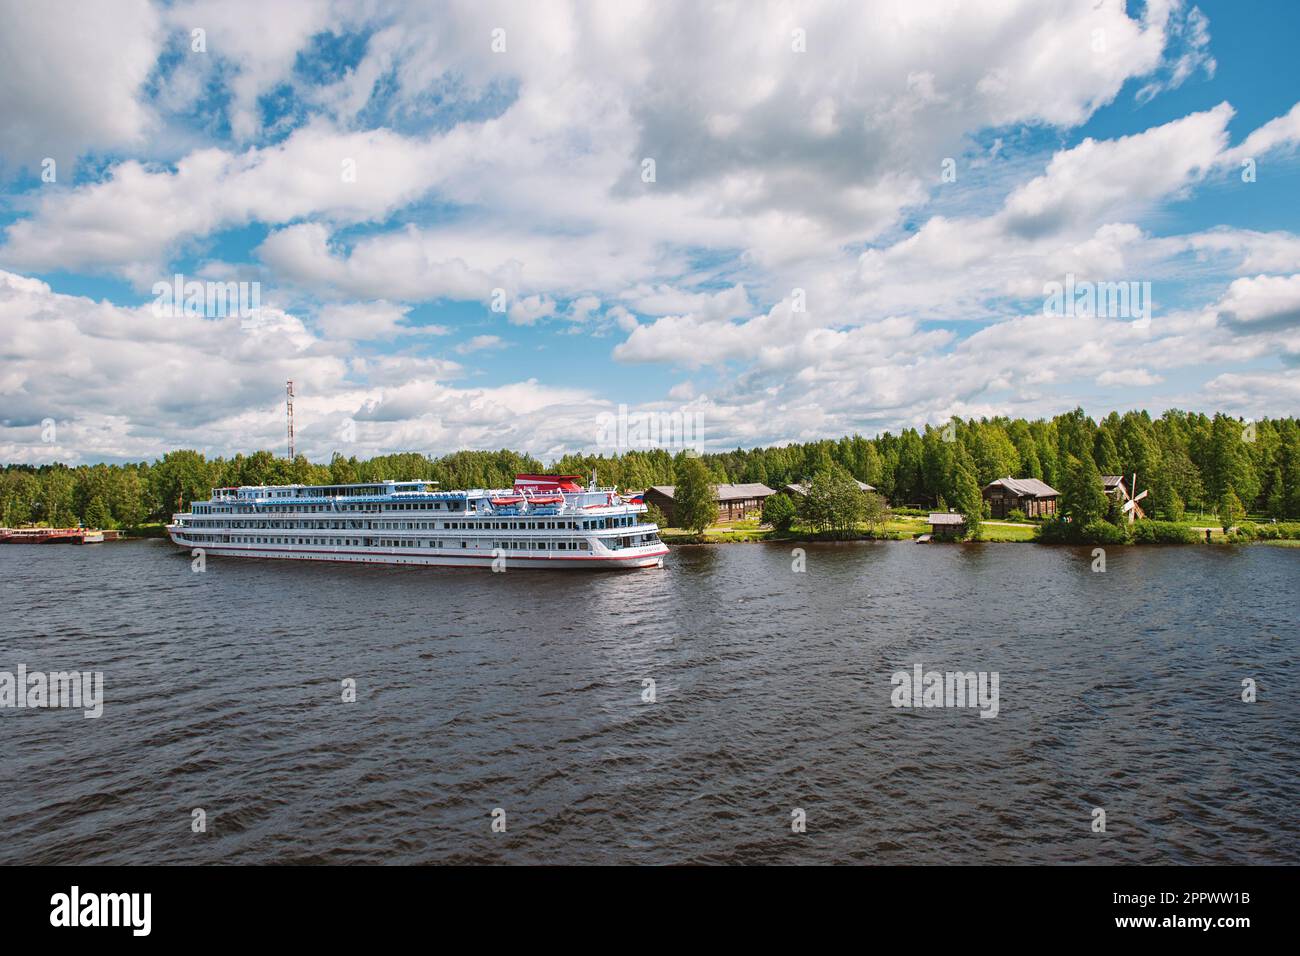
{"points": [[524, 693]]}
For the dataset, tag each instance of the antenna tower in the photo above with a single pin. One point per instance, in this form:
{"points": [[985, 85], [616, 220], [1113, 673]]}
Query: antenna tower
{"points": [[288, 390]]}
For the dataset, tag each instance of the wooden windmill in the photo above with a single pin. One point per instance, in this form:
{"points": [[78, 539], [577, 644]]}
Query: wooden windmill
{"points": [[1131, 508]]}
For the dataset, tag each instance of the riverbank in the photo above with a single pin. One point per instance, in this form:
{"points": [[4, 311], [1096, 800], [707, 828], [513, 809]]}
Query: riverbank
{"points": [[897, 528], [155, 530], [909, 527]]}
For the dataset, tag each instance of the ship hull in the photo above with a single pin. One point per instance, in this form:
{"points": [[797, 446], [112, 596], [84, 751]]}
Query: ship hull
{"points": [[637, 558]]}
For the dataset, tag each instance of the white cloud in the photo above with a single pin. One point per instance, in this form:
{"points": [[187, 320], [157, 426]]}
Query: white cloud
{"points": [[520, 171], [1129, 377], [256, 44], [136, 219], [73, 79], [481, 343], [527, 310], [366, 321], [1264, 305], [125, 383]]}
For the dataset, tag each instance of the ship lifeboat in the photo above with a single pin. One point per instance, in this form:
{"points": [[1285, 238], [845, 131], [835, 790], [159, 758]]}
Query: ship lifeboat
{"points": [[506, 500], [546, 500]]}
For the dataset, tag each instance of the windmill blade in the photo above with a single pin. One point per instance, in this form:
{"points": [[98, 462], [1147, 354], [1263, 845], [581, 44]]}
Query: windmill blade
{"points": [[1140, 497], [1128, 506]]}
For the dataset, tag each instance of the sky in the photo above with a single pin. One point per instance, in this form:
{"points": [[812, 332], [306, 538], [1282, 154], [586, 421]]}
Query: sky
{"points": [[493, 225]]}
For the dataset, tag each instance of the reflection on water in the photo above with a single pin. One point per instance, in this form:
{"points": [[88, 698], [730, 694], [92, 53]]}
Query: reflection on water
{"points": [[524, 691]]}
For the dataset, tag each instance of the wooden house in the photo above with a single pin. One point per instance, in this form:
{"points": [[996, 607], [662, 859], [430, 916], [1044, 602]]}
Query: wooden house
{"points": [[734, 501], [801, 489], [1034, 498], [946, 524]]}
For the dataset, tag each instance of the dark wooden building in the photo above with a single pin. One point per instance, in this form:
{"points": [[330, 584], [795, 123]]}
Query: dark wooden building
{"points": [[946, 524], [734, 501], [1115, 487], [1034, 498], [801, 489]]}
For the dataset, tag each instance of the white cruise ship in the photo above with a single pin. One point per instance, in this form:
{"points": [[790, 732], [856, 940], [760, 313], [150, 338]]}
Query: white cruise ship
{"points": [[544, 521]]}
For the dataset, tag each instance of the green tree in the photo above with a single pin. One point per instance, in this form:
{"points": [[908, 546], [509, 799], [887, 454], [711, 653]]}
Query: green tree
{"points": [[1082, 496], [97, 514], [875, 510], [779, 511], [908, 486], [128, 500], [1231, 512], [965, 493], [655, 516], [834, 501], [18, 496], [695, 499], [1165, 499], [1276, 497], [1105, 454], [56, 505], [1228, 466], [994, 453], [181, 477]]}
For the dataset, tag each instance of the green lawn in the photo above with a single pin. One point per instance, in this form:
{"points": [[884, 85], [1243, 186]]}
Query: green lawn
{"points": [[897, 528], [904, 528], [1007, 532]]}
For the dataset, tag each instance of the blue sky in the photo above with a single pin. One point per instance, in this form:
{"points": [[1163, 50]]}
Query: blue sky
{"points": [[799, 267]]}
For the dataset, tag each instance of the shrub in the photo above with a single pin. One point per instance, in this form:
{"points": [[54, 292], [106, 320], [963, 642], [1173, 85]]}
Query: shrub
{"points": [[1102, 531], [1282, 531], [914, 512], [1244, 532], [1164, 532], [1056, 530], [1015, 514]]}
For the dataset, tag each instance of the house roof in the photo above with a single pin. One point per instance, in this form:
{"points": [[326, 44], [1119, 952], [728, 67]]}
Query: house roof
{"points": [[802, 489], [726, 492], [1112, 481], [1025, 487], [946, 517]]}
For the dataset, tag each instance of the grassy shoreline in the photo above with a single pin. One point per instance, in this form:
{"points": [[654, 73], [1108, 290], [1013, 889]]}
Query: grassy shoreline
{"points": [[908, 528]]}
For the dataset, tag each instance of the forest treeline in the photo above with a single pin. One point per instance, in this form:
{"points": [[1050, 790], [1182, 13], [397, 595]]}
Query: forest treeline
{"points": [[1187, 461]]}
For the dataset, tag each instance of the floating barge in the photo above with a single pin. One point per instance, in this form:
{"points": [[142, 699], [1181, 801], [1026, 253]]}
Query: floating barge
{"points": [[56, 536]]}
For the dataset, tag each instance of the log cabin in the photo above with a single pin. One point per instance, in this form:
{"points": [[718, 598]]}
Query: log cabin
{"points": [[734, 501], [1034, 498]]}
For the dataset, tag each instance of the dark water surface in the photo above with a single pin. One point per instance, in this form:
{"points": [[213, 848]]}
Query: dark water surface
{"points": [[523, 691]]}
